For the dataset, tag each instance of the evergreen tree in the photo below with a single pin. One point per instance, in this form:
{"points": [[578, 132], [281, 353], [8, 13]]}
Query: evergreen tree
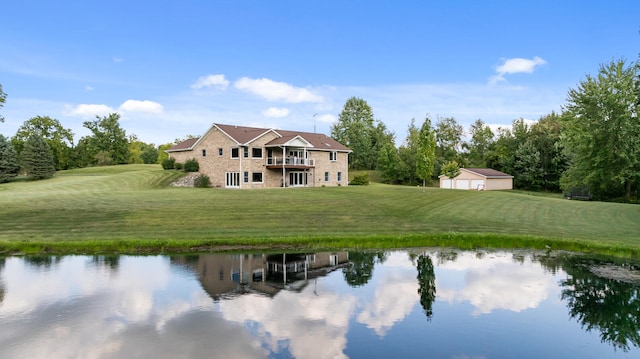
{"points": [[9, 166], [36, 158]]}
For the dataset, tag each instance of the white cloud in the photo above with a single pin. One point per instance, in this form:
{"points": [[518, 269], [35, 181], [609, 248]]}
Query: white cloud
{"points": [[88, 110], [216, 81], [326, 118], [276, 91], [514, 66], [141, 106], [276, 112], [88, 88], [117, 59]]}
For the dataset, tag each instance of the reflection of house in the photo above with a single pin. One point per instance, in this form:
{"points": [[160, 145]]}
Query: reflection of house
{"points": [[247, 157], [478, 179], [229, 275]]}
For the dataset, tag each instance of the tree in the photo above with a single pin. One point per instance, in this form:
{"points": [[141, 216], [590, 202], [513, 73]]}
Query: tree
{"points": [[426, 155], [36, 159], [480, 145], [451, 169], [355, 129], [9, 165], [408, 154], [389, 163], [545, 136], [140, 152], [602, 131], [3, 97], [108, 137], [449, 135], [59, 139]]}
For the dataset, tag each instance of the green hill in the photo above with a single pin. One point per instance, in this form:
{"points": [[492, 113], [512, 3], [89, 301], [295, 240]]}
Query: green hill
{"points": [[132, 208]]}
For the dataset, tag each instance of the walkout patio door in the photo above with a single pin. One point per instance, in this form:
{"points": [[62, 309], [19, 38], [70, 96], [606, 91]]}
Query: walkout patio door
{"points": [[297, 179], [233, 180]]}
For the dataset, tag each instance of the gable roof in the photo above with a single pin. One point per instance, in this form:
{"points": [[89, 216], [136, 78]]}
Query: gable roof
{"points": [[184, 145], [319, 141], [243, 135], [487, 172]]}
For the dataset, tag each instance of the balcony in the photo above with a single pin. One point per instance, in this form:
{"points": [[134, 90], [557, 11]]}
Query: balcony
{"points": [[290, 162]]}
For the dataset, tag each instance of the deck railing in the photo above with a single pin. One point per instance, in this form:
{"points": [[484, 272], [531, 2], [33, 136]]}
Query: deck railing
{"points": [[290, 161]]}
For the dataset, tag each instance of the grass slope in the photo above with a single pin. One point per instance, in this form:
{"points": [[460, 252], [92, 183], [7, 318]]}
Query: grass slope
{"points": [[131, 208]]}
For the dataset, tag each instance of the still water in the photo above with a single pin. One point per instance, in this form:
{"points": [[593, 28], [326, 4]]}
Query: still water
{"points": [[418, 303]]}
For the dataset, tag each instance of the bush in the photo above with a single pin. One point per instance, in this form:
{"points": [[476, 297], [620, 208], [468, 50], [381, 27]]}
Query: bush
{"points": [[168, 163], [360, 180], [202, 181], [191, 165], [179, 166]]}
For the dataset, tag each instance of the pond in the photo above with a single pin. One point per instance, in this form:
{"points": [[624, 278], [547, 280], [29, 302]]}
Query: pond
{"points": [[416, 303]]}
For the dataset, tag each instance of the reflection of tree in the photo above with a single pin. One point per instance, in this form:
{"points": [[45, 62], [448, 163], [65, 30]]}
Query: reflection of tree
{"points": [[111, 261], [608, 305], [1, 284], [359, 270], [42, 260], [426, 284]]}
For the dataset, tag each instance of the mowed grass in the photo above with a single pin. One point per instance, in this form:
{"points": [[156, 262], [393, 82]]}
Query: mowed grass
{"points": [[132, 208]]}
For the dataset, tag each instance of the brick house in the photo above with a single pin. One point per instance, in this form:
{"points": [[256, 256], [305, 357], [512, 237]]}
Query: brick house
{"points": [[249, 157]]}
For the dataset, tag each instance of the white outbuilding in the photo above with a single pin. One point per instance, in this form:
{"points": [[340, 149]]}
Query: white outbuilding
{"points": [[478, 179]]}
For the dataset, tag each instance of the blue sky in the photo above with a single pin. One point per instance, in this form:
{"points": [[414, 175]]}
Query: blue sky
{"points": [[172, 68]]}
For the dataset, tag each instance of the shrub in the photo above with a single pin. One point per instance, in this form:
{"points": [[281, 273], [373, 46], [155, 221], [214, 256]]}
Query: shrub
{"points": [[179, 166], [202, 181], [191, 165], [360, 180], [168, 163]]}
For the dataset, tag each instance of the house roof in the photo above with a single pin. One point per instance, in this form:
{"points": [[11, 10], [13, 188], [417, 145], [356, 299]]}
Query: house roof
{"points": [[244, 135], [184, 145], [487, 172]]}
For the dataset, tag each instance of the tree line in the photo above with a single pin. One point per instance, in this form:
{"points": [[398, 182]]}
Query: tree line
{"points": [[42, 146], [593, 144]]}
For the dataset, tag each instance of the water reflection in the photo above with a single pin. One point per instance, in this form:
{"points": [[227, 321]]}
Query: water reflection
{"points": [[320, 305]]}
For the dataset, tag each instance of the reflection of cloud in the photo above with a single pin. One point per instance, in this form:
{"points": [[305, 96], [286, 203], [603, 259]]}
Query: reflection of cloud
{"points": [[396, 294], [496, 282], [315, 326], [89, 311]]}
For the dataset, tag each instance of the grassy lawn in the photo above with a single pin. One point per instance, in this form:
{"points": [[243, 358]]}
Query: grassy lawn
{"points": [[131, 208]]}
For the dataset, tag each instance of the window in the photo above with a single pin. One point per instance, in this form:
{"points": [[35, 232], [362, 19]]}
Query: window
{"points": [[256, 177], [235, 153], [333, 156], [256, 152], [246, 152], [204, 153], [246, 177], [220, 151], [326, 176], [339, 176]]}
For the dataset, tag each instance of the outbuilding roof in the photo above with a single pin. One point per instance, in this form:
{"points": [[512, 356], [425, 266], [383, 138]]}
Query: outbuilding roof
{"points": [[488, 172]]}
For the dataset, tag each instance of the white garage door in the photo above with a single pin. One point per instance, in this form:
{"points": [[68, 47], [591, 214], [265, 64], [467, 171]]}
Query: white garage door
{"points": [[462, 184], [477, 184], [445, 184]]}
